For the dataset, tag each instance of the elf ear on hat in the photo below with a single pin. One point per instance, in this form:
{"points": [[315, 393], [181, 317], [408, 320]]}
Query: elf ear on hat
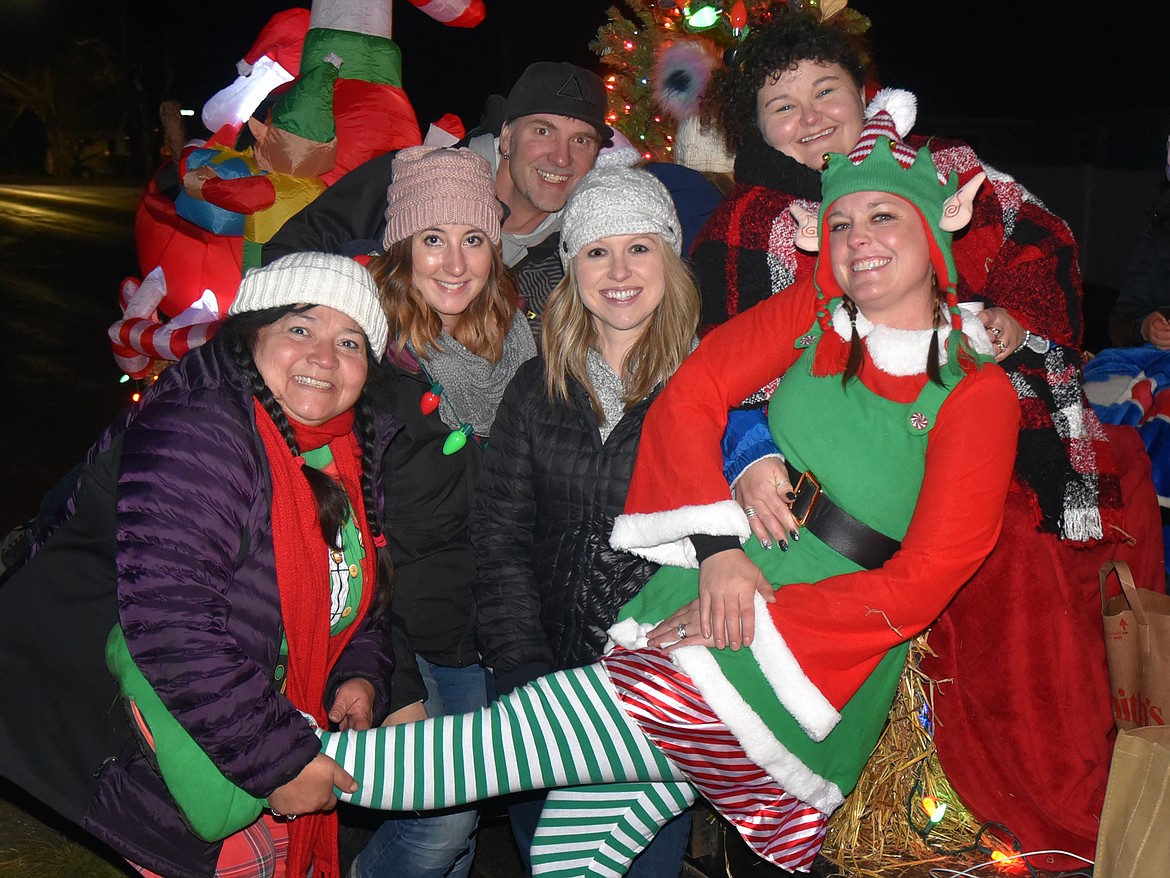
{"points": [[882, 162]]}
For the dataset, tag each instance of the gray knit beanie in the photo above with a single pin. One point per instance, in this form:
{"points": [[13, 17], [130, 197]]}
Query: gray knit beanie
{"points": [[618, 201], [436, 186], [336, 282]]}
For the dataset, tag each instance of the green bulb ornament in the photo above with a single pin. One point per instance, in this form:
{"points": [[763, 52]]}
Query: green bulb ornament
{"points": [[457, 439]]}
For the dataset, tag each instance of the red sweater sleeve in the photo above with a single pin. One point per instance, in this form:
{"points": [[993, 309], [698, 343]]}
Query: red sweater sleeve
{"points": [[678, 488], [839, 628]]}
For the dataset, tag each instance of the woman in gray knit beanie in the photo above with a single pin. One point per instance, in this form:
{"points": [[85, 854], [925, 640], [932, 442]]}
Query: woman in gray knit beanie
{"points": [[456, 339], [563, 450]]}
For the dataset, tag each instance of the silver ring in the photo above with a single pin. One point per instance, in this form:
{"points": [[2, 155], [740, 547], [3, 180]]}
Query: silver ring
{"points": [[996, 331], [681, 631], [749, 511], [1001, 345]]}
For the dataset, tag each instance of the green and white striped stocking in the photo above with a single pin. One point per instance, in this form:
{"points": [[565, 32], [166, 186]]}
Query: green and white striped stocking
{"points": [[564, 730], [599, 830]]}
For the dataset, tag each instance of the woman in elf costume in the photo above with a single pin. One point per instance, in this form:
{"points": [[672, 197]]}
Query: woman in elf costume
{"points": [[1081, 493], [889, 393]]}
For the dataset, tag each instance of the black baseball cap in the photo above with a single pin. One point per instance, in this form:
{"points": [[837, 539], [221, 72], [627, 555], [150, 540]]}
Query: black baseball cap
{"points": [[561, 89]]}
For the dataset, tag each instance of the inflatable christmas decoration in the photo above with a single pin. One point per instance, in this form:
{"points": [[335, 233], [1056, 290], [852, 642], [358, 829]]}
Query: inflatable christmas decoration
{"points": [[203, 217]]}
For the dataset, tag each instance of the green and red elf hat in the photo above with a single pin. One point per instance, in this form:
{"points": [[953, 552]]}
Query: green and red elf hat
{"points": [[883, 162]]}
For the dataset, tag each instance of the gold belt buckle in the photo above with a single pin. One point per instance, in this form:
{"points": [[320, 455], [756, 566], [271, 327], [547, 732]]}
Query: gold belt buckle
{"points": [[808, 491]]}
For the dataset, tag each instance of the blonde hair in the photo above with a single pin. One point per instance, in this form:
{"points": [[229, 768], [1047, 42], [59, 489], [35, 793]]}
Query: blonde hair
{"points": [[481, 329], [567, 335]]}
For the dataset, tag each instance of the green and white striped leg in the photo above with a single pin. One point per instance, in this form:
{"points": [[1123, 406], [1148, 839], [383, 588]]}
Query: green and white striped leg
{"points": [[598, 830], [566, 729]]}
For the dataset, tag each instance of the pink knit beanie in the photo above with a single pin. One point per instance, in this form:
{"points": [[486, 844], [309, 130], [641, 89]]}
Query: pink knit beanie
{"points": [[433, 186]]}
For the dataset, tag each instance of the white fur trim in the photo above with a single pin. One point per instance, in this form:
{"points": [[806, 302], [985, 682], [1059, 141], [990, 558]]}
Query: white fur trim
{"points": [[902, 106], [903, 351], [793, 688], [662, 537], [629, 633], [757, 740]]}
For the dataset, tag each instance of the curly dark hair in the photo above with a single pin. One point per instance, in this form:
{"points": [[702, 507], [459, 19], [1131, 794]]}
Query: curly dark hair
{"points": [[777, 44]]}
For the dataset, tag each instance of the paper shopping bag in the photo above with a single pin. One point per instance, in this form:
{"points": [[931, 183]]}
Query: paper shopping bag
{"points": [[1137, 647]]}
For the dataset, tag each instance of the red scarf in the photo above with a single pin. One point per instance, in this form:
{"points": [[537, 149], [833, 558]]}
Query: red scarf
{"points": [[302, 576]]}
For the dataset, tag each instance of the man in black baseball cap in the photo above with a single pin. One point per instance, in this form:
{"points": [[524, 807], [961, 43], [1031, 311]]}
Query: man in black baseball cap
{"points": [[562, 89], [554, 126]]}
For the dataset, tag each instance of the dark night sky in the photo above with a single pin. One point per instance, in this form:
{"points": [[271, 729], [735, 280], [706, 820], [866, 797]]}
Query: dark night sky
{"points": [[963, 58]]}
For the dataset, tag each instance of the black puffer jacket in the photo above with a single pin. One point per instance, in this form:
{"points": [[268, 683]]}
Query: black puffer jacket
{"points": [[429, 497], [549, 584]]}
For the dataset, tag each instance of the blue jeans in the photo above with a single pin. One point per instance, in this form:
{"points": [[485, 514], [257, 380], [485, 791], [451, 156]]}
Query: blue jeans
{"points": [[443, 845], [662, 858]]}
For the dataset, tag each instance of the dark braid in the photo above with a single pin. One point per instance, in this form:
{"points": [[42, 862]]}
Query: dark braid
{"points": [[933, 356], [363, 423], [853, 364], [240, 331]]}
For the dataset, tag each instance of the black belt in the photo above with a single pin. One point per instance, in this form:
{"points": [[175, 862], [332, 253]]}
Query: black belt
{"points": [[835, 527]]}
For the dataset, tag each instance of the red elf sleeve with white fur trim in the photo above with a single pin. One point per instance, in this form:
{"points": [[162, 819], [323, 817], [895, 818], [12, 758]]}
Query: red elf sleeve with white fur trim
{"points": [[678, 487]]}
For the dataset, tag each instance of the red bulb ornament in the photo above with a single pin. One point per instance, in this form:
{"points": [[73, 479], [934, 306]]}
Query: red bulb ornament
{"points": [[738, 14], [430, 399]]}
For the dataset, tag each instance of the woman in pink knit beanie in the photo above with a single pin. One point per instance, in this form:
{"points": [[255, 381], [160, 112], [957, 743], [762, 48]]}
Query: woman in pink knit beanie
{"points": [[456, 339]]}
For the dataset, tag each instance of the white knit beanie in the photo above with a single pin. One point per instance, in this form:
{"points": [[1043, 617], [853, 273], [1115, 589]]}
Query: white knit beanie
{"points": [[618, 201], [336, 282], [702, 149]]}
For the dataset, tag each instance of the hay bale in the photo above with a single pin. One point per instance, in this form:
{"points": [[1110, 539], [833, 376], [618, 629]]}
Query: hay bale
{"points": [[882, 828]]}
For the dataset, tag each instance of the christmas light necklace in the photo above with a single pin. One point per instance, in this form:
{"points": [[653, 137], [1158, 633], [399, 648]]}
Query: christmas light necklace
{"points": [[457, 438]]}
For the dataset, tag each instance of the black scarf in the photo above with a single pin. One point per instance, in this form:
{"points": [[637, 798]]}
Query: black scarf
{"points": [[758, 164]]}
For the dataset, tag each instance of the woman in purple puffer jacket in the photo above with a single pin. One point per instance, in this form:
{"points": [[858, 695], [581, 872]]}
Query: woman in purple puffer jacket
{"points": [[222, 523]]}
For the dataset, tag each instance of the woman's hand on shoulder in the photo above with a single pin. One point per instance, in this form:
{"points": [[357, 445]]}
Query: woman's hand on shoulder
{"points": [[353, 705], [728, 583], [763, 490], [313, 789], [1003, 330]]}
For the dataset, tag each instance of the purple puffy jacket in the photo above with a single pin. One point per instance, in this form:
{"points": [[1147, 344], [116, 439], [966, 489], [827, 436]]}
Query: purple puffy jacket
{"points": [[169, 523]]}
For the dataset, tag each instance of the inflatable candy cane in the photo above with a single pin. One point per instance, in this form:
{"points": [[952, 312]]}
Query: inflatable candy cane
{"points": [[140, 340], [456, 13]]}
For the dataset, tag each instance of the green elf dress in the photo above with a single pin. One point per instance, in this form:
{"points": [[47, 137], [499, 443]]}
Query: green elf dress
{"points": [[925, 463]]}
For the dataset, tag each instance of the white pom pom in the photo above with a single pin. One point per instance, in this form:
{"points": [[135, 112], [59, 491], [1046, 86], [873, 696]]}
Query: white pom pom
{"points": [[902, 105]]}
